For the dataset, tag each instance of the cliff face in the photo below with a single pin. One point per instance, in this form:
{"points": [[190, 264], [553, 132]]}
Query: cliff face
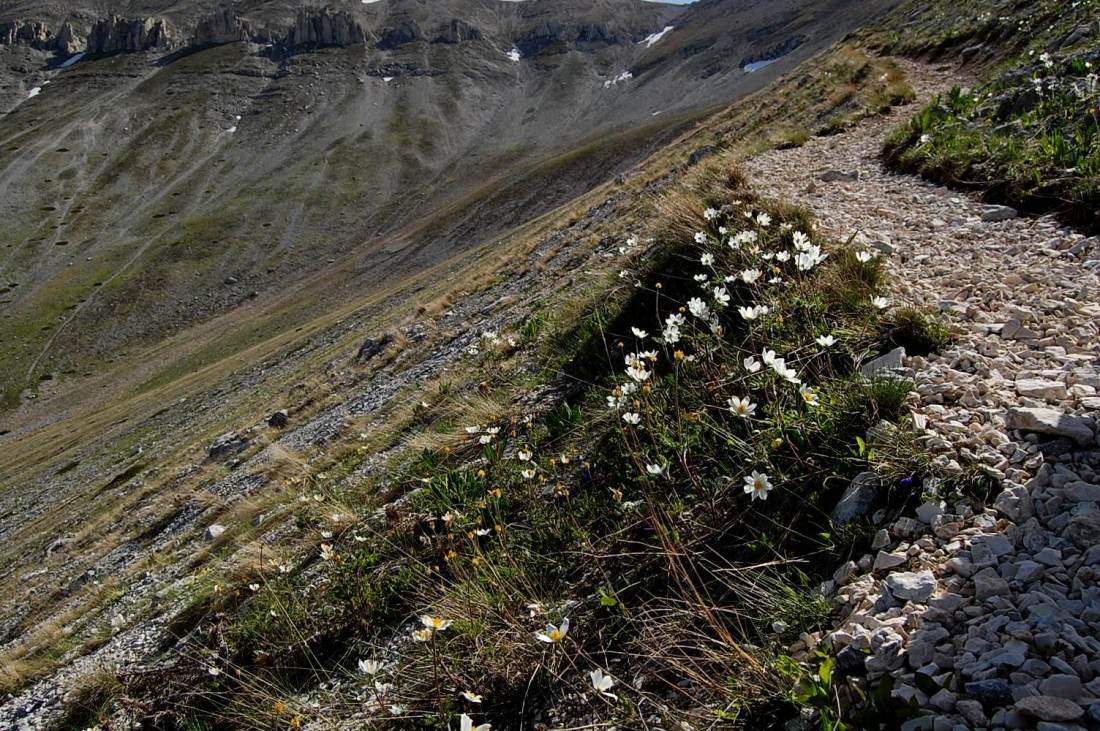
{"points": [[37, 34], [325, 28], [552, 37], [223, 26], [457, 31], [33, 34], [114, 34]]}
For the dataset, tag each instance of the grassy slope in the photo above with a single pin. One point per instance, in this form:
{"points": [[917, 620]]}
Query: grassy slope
{"points": [[1029, 134], [736, 565]]}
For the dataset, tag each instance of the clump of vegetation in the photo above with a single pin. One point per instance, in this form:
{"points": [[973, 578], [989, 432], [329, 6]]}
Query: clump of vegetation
{"points": [[995, 33], [833, 92], [1030, 138], [918, 333], [648, 545]]}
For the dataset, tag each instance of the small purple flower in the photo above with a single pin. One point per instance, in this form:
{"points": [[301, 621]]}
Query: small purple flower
{"points": [[907, 481]]}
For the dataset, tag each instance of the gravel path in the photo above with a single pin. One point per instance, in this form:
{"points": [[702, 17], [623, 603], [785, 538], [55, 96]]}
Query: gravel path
{"points": [[998, 608]]}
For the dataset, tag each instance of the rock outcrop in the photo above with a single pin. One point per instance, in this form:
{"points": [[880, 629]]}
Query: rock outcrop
{"points": [[325, 28], [457, 31], [774, 53], [34, 34], [39, 35], [224, 26], [114, 35], [552, 37], [405, 32]]}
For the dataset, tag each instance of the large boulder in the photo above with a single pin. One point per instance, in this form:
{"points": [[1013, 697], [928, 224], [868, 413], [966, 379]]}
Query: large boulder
{"points": [[225, 445]]}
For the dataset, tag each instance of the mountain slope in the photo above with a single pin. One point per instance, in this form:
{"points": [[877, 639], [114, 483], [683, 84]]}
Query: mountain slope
{"points": [[158, 189]]}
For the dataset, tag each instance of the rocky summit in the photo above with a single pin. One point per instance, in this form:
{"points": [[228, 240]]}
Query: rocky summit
{"points": [[549, 364]]}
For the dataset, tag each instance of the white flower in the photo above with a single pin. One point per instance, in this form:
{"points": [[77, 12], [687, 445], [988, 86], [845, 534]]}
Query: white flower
{"points": [[639, 333], [422, 635], [254, 587], [768, 255], [752, 365], [808, 396], [671, 335], [632, 418], [809, 257], [675, 320], [698, 307], [524, 455], [721, 296], [554, 634], [750, 275], [636, 371], [758, 485], [800, 240], [213, 671], [701, 278], [528, 474], [768, 356], [710, 214], [435, 624], [700, 237], [706, 259], [601, 683], [791, 375], [326, 534], [482, 532], [742, 406], [925, 139], [655, 469], [825, 341], [745, 237], [370, 667], [473, 429], [783, 256], [764, 220], [465, 723], [327, 553], [751, 313], [471, 696], [864, 256], [880, 302], [485, 439]]}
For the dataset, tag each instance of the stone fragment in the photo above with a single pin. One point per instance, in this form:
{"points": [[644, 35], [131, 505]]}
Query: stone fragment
{"points": [[858, 498], [916, 586], [1049, 708], [1049, 421]]}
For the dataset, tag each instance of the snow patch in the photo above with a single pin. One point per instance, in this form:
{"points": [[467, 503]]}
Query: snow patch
{"points": [[34, 92], [71, 60], [231, 130], [387, 79], [514, 54], [757, 65], [656, 37], [624, 76]]}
